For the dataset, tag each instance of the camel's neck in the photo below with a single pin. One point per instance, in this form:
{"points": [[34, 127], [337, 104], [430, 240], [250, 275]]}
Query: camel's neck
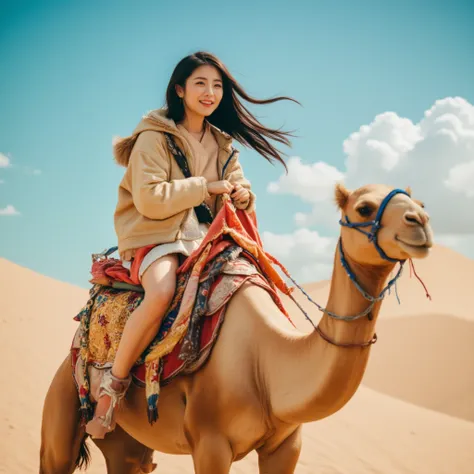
{"points": [[318, 378]]}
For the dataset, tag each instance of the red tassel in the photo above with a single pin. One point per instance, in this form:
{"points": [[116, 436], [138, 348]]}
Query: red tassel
{"points": [[412, 268]]}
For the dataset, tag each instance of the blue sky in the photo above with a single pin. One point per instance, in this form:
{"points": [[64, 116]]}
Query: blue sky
{"points": [[74, 74]]}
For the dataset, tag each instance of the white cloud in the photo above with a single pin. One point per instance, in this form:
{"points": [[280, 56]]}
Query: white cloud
{"points": [[303, 252], [434, 156], [31, 171], [314, 184], [461, 179], [4, 161], [9, 211], [377, 148]]}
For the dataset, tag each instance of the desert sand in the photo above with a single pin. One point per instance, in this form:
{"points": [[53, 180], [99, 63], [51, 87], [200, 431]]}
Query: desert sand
{"points": [[414, 412]]}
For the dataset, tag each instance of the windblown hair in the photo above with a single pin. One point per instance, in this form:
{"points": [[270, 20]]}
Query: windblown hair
{"points": [[231, 116]]}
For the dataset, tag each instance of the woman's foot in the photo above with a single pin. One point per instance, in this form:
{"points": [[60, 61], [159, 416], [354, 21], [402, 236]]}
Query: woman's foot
{"points": [[112, 391]]}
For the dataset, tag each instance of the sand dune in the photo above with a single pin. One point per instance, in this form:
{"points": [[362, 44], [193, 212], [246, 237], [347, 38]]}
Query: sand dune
{"points": [[448, 276], [374, 433], [430, 362], [424, 356], [36, 329]]}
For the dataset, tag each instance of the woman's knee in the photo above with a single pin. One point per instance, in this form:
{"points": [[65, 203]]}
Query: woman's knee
{"points": [[161, 295], [160, 271], [159, 282]]}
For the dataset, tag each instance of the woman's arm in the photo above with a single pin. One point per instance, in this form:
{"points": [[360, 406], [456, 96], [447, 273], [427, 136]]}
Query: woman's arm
{"points": [[235, 175], [154, 196]]}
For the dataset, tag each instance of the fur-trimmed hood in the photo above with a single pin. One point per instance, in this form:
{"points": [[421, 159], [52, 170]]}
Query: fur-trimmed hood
{"points": [[158, 121]]}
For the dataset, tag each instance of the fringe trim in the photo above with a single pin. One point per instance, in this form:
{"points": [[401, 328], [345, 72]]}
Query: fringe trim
{"points": [[86, 412], [153, 408]]}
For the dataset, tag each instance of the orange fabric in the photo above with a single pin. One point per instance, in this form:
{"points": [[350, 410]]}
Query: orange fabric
{"points": [[106, 271], [155, 200], [240, 225]]}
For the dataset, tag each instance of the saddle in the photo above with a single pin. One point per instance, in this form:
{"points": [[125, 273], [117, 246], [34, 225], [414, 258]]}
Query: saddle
{"points": [[230, 255]]}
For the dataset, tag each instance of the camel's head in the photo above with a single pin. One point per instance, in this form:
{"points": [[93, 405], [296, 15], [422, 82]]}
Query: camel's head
{"points": [[403, 230]]}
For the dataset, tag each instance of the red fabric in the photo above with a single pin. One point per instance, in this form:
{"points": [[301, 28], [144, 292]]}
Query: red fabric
{"points": [[210, 326], [111, 269], [172, 364], [229, 227], [240, 225]]}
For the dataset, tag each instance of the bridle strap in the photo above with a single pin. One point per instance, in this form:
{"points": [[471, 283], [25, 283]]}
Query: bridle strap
{"points": [[346, 344], [375, 224], [372, 235]]}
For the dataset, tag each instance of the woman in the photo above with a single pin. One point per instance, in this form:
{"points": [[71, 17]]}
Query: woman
{"points": [[162, 208]]}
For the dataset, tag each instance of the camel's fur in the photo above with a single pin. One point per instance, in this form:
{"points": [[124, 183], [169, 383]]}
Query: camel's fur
{"points": [[264, 378]]}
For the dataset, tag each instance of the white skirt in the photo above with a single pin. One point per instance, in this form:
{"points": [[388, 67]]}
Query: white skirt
{"points": [[184, 247]]}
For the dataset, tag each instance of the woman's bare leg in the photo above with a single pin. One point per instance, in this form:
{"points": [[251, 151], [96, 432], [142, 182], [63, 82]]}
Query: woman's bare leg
{"points": [[159, 283]]}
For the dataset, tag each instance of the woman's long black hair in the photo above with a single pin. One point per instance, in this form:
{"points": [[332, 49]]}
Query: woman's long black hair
{"points": [[231, 116]]}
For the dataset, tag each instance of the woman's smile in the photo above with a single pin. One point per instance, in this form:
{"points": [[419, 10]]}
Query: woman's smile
{"points": [[207, 103]]}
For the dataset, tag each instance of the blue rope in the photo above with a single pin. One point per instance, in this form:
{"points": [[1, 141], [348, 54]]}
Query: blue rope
{"points": [[372, 236], [375, 224], [367, 296], [396, 293]]}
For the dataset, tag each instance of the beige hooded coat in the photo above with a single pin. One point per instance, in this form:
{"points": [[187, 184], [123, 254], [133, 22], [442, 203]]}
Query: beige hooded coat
{"points": [[155, 200]]}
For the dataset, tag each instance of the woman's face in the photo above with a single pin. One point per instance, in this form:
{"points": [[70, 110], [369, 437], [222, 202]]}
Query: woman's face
{"points": [[203, 91]]}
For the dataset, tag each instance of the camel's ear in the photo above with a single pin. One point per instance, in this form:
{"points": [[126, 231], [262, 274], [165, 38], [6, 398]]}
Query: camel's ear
{"points": [[341, 195], [408, 190]]}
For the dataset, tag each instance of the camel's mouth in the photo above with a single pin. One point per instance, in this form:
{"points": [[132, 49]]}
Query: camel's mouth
{"points": [[414, 249]]}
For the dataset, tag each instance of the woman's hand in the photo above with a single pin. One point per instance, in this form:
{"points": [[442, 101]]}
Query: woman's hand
{"points": [[240, 194], [219, 187]]}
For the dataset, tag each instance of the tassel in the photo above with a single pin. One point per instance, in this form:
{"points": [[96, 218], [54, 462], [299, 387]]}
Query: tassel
{"points": [[86, 413], [153, 408], [412, 267]]}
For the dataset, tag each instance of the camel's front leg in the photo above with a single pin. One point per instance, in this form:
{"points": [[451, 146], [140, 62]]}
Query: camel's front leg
{"points": [[212, 454], [284, 459], [124, 454], [203, 421]]}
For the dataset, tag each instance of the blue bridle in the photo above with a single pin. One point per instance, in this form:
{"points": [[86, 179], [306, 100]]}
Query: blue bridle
{"points": [[375, 225]]}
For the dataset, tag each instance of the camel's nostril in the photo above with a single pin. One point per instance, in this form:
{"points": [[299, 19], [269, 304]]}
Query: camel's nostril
{"points": [[412, 218]]}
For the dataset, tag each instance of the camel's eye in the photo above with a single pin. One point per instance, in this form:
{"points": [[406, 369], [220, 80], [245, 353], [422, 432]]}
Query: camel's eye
{"points": [[365, 210]]}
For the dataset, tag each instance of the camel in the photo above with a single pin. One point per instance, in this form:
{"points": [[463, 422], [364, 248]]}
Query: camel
{"points": [[264, 378]]}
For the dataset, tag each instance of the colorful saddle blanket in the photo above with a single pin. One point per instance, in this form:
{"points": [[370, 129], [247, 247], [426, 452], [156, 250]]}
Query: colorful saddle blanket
{"points": [[230, 255]]}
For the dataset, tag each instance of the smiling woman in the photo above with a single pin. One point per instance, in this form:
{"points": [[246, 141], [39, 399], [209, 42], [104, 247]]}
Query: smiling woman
{"points": [[201, 96], [179, 163], [203, 73]]}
